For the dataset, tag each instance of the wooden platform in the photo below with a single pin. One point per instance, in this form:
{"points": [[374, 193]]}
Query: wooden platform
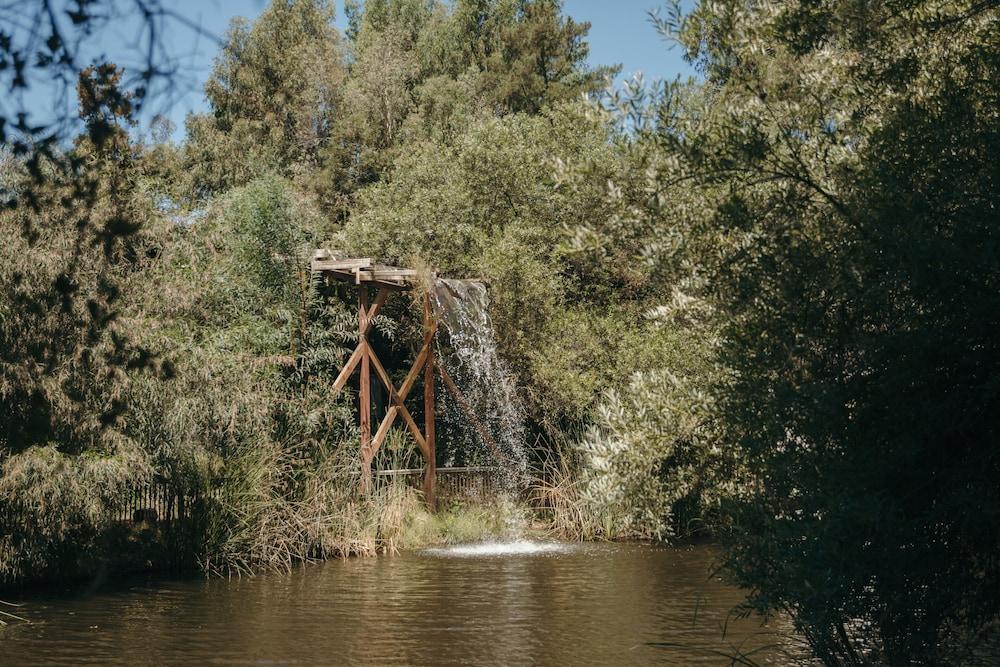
{"points": [[363, 270]]}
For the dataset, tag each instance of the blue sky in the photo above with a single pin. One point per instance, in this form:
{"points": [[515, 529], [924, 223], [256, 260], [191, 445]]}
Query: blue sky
{"points": [[620, 33]]}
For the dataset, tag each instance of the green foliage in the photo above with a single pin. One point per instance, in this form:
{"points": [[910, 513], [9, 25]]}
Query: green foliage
{"points": [[265, 245], [524, 55], [841, 154], [210, 287], [764, 302], [529, 55], [247, 421], [68, 246], [490, 207], [287, 96], [275, 92], [649, 464]]}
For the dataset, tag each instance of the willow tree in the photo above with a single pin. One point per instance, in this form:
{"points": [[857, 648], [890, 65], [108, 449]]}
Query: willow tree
{"points": [[844, 156]]}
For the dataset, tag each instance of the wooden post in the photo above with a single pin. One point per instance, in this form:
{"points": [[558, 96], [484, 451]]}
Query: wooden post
{"points": [[430, 472], [364, 390]]}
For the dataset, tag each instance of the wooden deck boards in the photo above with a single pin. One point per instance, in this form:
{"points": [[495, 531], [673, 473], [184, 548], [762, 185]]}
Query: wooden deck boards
{"points": [[362, 270]]}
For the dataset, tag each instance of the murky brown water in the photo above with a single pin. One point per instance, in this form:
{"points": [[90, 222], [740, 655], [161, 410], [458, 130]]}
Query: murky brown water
{"points": [[589, 604]]}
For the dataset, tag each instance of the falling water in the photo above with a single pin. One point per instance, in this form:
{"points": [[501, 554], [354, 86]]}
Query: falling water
{"points": [[471, 359]]}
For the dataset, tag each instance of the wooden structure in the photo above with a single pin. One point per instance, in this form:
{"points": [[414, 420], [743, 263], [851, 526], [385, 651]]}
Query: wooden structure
{"points": [[383, 280]]}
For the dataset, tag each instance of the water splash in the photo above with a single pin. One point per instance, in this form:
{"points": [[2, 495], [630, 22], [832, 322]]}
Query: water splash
{"points": [[487, 401], [498, 549]]}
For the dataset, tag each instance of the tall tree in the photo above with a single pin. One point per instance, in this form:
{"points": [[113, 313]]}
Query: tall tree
{"points": [[275, 93], [529, 53], [844, 156], [64, 351], [426, 70]]}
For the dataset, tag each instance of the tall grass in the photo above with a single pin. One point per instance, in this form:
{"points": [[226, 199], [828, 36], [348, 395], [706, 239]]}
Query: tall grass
{"points": [[558, 499], [275, 510], [278, 506], [55, 508]]}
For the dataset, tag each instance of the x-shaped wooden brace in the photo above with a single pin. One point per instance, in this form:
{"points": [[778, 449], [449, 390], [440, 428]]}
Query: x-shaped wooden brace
{"points": [[364, 326], [364, 354], [396, 399]]}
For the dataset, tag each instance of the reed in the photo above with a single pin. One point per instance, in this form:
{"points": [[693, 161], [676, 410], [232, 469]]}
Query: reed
{"points": [[557, 499]]}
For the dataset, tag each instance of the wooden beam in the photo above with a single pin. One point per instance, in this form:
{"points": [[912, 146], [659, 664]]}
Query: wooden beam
{"points": [[360, 277], [388, 284], [467, 409], [365, 390], [398, 404], [430, 472], [392, 273], [345, 275], [386, 278], [348, 369], [340, 264], [376, 307], [363, 273], [360, 270], [401, 394], [383, 430], [418, 363]]}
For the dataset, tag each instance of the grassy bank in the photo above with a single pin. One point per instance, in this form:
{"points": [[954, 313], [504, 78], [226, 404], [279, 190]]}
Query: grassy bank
{"points": [[223, 538]]}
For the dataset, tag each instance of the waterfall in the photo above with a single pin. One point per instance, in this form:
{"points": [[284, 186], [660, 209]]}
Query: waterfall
{"points": [[487, 403]]}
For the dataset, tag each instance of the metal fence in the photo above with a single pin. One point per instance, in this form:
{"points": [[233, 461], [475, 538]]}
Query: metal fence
{"points": [[458, 483], [154, 503], [161, 502], [169, 521]]}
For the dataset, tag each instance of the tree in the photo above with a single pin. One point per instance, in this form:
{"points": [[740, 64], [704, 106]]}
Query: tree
{"points": [[426, 70], [842, 154], [68, 358], [275, 93], [64, 277], [530, 55], [58, 208], [42, 44]]}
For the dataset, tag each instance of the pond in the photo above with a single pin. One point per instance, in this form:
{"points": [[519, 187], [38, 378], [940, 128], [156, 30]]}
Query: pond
{"points": [[518, 603]]}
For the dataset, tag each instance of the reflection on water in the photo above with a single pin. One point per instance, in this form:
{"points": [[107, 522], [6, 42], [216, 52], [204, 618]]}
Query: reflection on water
{"points": [[536, 604]]}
